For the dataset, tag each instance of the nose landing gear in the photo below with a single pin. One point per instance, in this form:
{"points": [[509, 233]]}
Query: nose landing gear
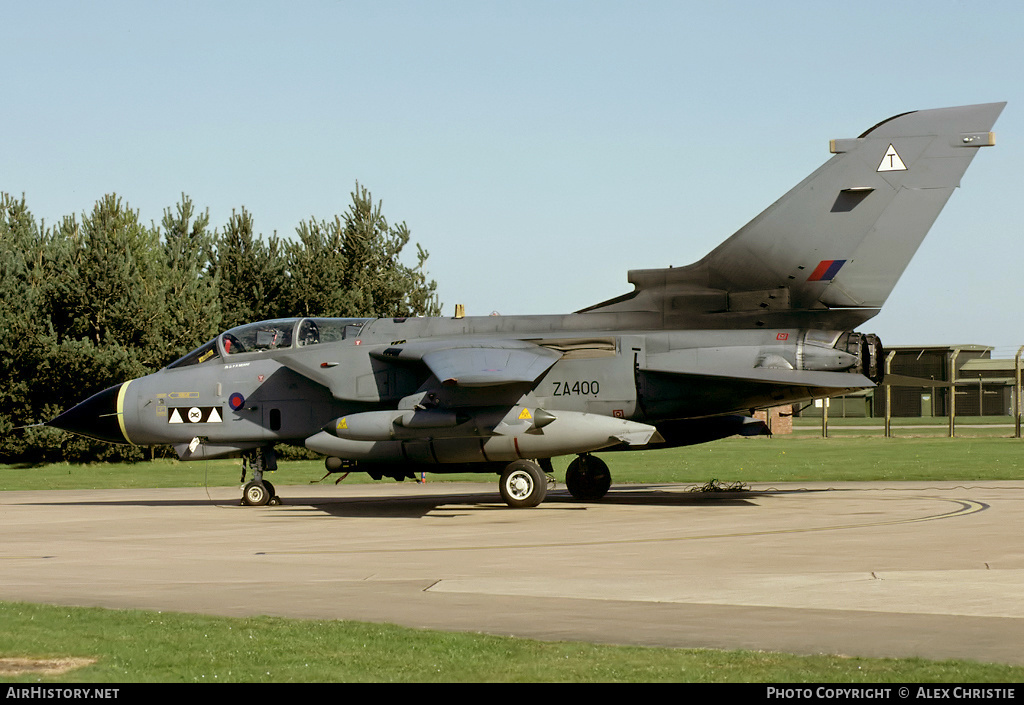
{"points": [[259, 492]]}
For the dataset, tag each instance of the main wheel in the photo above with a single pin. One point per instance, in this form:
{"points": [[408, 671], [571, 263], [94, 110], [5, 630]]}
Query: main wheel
{"points": [[523, 484], [588, 478], [255, 494]]}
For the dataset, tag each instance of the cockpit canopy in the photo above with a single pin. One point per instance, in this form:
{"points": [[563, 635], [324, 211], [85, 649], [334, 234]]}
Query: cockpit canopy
{"points": [[273, 335]]}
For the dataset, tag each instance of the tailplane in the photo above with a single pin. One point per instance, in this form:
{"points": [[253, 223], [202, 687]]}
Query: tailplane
{"points": [[829, 252]]}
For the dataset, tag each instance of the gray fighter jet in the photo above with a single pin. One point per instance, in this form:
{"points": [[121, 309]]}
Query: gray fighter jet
{"points": [[686, 357]]}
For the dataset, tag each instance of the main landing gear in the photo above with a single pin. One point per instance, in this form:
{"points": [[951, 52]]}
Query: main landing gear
{"points": [[524, 483], [259, 492], [588, 478]]}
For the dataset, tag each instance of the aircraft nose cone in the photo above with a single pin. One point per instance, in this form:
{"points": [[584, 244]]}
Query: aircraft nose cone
{"points": [[96, 417]]}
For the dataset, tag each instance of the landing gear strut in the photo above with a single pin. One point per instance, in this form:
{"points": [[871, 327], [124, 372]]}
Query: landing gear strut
{"points": [[588, 478], [259, 491]]}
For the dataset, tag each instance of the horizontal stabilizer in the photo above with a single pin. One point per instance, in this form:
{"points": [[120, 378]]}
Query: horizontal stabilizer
{"points": [[771, 375]]}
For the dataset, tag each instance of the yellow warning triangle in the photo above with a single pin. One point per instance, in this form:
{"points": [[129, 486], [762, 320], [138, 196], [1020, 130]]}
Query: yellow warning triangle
{"points": [[891, 161], [342, 423], [525, 416]]}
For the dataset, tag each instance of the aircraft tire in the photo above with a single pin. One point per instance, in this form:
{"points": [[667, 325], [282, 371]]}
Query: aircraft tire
{"points": [[256, 494], [523, 484], [588, 478], [274, 499]]}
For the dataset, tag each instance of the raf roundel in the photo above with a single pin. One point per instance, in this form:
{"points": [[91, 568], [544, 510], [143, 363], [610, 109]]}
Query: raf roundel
{"points": [[236, 401]]}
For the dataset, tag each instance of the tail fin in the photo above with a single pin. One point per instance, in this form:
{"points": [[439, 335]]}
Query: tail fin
{"points": [[829, 252]]}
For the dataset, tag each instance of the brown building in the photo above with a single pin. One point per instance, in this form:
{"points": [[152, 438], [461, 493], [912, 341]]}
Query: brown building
{"points": [[984, 387], [927, 362]]}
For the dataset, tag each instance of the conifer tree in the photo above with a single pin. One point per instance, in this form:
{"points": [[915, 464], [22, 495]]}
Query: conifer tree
{"points": [[316, 263], [350, 266], [191, 288], [251, 273], [111, 289], [21, 322]]}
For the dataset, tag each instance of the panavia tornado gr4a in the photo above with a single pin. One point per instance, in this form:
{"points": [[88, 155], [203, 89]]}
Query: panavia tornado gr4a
{"points": [[764, 319]]}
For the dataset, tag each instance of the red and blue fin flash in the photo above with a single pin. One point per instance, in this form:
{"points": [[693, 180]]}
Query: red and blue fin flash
{"points": [[826, 270]]}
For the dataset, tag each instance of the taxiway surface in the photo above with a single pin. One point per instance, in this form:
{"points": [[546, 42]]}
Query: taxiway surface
{"points": [[934, 570]]}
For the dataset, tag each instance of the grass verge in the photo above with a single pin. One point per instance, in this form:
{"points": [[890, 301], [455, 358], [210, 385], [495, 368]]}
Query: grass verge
{"points": [[136, 646], [791, 458]]}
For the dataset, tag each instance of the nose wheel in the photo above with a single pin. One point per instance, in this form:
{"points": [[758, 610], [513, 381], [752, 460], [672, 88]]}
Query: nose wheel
{"points": [[259, 492]]}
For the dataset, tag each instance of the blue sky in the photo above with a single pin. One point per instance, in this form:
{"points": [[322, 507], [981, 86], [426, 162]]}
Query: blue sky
{"points": [[537, 150]]}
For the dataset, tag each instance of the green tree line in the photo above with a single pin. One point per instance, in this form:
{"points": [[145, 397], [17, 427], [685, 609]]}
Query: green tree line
{"points": [[102, 298]]}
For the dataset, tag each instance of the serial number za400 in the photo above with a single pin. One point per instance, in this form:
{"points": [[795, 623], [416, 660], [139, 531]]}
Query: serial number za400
{"points": [[578, 387]]}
